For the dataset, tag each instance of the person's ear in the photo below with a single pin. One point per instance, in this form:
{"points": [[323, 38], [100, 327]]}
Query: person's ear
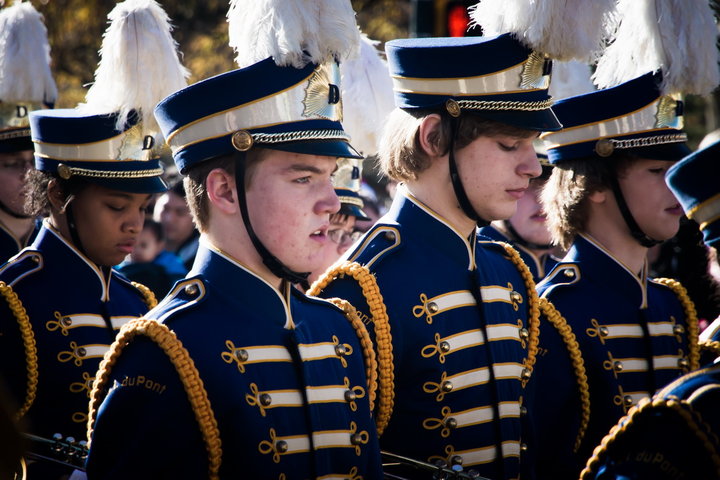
{"points": [[599, 196], [221, 191], [429, 135], [56, 196]]}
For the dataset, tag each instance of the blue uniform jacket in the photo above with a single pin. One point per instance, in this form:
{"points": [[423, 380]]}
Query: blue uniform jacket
{"points": [[539, 267], [634, 338], [10, 245], [75, 310], [674, 436], [446, 397], [284, 375]]}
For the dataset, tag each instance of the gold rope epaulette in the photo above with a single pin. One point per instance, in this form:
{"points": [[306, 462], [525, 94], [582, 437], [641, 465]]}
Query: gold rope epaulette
{"points": [[383, 338], [690, 318], [371, 365], [712, 346], [28, 339], [150, 299], [691, 418], [573, 347], [534, 308], [188, 373]]}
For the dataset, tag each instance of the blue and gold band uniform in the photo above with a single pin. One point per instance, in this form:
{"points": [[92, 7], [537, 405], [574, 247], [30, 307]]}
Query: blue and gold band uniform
{"points": [[51, 347], [10, 244], [284, 375], [446, 398], [539, 266], [634, 334]]}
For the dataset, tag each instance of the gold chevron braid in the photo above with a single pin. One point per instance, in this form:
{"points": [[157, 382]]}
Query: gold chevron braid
{"points": [[690, 318], [534, 308], [148, 295], [28, 339], [383, 336], [561, 325], [692, 419], [371, 366], [188, 373]]}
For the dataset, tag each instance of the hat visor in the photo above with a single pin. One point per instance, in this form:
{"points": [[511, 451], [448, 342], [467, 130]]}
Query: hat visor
{"points": [[131, 185], [353, 211], [19, 144], [541, 120], [325, 148]]}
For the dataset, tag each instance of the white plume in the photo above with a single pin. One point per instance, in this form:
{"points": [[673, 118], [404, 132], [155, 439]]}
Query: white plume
{"points": [[139, 64], [293, 32], [562, 29], [25, 74], [367, 93], [570, 79], [677, 36]]}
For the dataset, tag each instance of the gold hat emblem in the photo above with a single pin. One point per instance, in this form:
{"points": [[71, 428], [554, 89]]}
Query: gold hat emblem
{"points": [[322, 96], [535, 72], [669, 112]]}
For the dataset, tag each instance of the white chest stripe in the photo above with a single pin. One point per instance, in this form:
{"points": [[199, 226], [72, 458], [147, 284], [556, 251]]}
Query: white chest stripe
{"points": [[448, 301], [485, 414], [317, 351], [482, 375], [495, 294], [267, 354], [636, 331], [487, 454], [90, 320]]}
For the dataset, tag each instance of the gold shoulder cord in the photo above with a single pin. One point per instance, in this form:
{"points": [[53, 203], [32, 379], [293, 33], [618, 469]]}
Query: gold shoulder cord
{"points": [[691, 418], [562, 327], [28, 339], [383, 337], [150, 299], [189, 376], [534, 310], [690, 318], [710, 346], [367, 346]]}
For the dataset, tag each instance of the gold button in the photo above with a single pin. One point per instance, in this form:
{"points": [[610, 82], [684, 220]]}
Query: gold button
{"points": [[191, 289], [525, 373], [456, 460], [64, 171], [524, 333], [243, 355], [678, 329], [523, 410], [433, 307], [67, 321], [604, 147], [281, 446], [628, 400], [515, 297], [618, 366], [81, 352], [390, 236], [569, 272], [447, 386], [242, 140], [452, 107], [356, 439], [265, 400], [604, 332], [444, 347], [350, 396], [35, 258], [451, 423], [683, 363], [523, 447], [340, 350]]}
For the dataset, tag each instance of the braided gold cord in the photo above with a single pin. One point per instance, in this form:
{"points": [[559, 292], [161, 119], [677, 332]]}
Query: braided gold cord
{"points": [[383, 337], [150, 299], [692, 419], [561, 325], [371, 366], [28, 339], [690, 318], [189, 376], [534, 310], [710, 346]]}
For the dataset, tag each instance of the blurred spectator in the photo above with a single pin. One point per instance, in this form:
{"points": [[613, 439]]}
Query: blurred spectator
{"points": [[149, 262], [341, 235], [181, 236]]}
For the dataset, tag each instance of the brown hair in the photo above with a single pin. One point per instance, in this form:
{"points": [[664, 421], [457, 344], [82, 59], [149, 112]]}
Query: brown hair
{"points": [[565, 194], [401, 155], [37, 201]]}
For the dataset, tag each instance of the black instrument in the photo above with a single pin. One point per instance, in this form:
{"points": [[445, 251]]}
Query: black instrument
{"points": [[439, 471], [58, 453]]}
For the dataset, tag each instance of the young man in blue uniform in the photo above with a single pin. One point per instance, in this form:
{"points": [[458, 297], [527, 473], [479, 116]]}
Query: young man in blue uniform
{"points": [[29, 86], [237, 374], [675, 435], [453, 314], [607, 203]]}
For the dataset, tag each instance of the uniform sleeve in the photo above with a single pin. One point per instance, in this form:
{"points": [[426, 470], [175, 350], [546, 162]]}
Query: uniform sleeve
{"points": [[145, 428]]}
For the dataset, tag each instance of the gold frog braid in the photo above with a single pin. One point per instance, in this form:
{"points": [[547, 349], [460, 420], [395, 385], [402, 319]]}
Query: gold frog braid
{"points": [[534, 308], [690, 318], [28, 339], [383, 337], [561, 325], [712, 346], [150, 299], [371, 366], [189, 376]]}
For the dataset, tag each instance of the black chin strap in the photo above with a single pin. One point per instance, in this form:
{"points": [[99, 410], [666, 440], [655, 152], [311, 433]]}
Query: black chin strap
{"points": [[460, 194], [271, 262], [20, 216], [635, 229], [521, 241]]}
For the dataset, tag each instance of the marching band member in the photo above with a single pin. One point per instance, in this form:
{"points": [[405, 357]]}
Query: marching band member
{"points": [[237, 374]]}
